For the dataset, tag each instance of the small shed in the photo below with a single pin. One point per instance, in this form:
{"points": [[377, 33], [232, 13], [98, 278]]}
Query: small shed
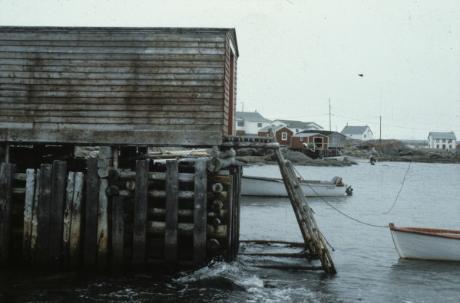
{"points": [[317, 141], [137, 86]]}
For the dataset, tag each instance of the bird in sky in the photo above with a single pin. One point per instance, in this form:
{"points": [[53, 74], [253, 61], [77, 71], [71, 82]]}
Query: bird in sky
{"points": [[361, 75]]}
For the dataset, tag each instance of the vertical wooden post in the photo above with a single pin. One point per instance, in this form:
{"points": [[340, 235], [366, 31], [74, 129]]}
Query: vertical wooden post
{"points": [[43, 214], [200, 213], [91, 207], [58, 184], [6, 180], [140, 212], [34, 231], [229, 220], [28, 214], [68, 217], [7, 153], [117, 232], [171, 211], [104, 160], [75, 224]]}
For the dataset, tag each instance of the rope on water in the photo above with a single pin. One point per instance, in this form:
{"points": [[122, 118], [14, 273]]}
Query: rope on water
{"points": [[400, 189], [338, 210]]}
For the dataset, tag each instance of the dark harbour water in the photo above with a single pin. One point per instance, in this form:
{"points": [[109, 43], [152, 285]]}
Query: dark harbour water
{"points": [[368, 267]]}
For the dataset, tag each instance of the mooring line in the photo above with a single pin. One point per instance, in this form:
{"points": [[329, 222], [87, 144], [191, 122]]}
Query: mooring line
{"points": [[338, 210], [400, 189]]}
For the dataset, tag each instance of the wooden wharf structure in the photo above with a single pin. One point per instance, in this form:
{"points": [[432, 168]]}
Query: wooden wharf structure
{"points": [[123, 90], [176, 213]]}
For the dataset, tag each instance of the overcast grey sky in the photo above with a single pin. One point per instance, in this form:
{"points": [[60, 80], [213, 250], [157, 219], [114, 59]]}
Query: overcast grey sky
{"points": [[296, 54]]}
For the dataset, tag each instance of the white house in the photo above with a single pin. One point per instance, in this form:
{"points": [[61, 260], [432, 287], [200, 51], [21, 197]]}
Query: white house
{"points": [[298, 126], [249, 123], [358, 132], [442, 140]]}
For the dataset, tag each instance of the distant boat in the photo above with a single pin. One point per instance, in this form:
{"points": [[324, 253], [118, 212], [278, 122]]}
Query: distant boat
{"points": [[426, 243], [262, 186]]}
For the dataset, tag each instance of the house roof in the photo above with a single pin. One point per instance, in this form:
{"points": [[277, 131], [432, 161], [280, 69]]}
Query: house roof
{"points": [[354, 130], [305, 135], [323, 132], [251, 116], [300, 124], [267, 128], [442, 135]]}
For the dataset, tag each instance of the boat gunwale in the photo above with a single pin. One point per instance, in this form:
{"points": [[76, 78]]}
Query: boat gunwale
{"points": [[304, 182], [431, 232]]}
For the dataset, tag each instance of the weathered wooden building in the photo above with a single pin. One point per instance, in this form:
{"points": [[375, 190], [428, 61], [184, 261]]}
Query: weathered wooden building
{"points": [[142, 86], [121, 89]]}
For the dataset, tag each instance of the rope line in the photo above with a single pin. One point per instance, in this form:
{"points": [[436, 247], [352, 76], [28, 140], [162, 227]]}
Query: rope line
{"points": [[338, 210], [400, 190]]}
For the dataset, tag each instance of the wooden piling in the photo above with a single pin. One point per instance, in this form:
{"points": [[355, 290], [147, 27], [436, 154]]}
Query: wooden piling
{"points": [[104, 160], [200, 213], [117, 232], [34, 231], [43, 214], [171, 222], [58, 185], [91, 208], [75, 223], [140, 212], [67, 217], [6, 180], [28, 214]]}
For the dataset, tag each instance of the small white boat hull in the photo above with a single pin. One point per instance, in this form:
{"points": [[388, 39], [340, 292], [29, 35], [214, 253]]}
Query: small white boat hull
{"points": [[260, 186], [426, 244]]}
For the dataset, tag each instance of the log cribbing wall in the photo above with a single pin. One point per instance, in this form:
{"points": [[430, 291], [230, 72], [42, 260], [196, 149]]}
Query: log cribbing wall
{"points": [[174, 214], [149, 86]]}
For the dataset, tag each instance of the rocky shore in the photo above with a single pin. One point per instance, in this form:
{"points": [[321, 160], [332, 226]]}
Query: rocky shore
{"points": [[395, 150], [253, 156], [387, 150]]}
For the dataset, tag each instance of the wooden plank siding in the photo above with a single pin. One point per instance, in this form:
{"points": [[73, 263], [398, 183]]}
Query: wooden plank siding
{"points": [[149, 86]]}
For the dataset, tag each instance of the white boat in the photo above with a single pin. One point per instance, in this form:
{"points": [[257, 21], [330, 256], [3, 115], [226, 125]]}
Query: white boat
{"points": [[426, 243], [262, 186]]}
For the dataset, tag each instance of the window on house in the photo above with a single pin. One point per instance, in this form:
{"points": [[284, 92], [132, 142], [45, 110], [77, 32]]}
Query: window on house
{"points": [[437, 146], [443, 140], [284, 136], [240, 122], [259, 124], [450, 141]]}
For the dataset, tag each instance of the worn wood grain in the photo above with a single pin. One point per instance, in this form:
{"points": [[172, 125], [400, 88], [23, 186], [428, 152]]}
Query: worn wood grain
{"points": [[67, 220], [200, 212], [34, 231], [117, 232], [58, 186], [91, 208], [171, 220], [140, 212], [76, 219], [72, 68], [6, 184], [159, 138], [28, 214], [43, 215]]}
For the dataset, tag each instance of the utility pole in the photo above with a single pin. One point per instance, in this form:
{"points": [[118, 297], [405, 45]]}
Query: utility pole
{"points": [[380, 132], [330, 128]]}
